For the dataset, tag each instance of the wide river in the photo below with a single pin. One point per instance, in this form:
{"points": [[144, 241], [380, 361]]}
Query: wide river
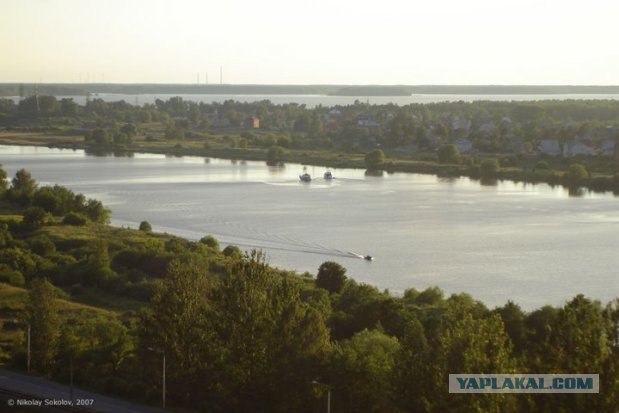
{"points": [[532, 244]]}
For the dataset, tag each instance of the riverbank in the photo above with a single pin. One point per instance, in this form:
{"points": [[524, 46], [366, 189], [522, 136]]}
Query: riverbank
{"points": [[516, 168]]}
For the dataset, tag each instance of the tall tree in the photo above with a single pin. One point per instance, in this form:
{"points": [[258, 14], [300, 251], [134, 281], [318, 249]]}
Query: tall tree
{"points": [[42, 316], [23, 187], [271, 342]]}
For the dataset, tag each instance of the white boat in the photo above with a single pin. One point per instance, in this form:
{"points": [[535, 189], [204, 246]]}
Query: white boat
{"points": [[305, 177], [328, 175]]}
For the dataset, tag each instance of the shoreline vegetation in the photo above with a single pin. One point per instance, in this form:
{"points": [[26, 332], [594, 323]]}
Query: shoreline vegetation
{"points": [[239, 335], [571, 143]]}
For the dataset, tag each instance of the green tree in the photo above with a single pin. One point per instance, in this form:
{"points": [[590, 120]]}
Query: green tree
{"points": [[331, 276], [56, 200], [3, 181], [43, 318], [96, 211], [362, 369], [414, 374], [232, 251], [275, 155], [145, 227], [6, 238], [178, 325], [23, 187], [375, 159], [271, 342], [489, 168], [448, 154], [576, 174], [99, 137], [98, 271], [462, 341], [35, 217], [210, 241]]}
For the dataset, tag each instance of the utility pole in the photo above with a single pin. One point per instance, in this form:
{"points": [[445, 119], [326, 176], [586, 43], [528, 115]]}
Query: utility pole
{"points": [[28, 356], [163, 392]]}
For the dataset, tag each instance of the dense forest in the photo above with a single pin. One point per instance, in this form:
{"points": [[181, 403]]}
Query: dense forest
{"points": [[240, 336]]}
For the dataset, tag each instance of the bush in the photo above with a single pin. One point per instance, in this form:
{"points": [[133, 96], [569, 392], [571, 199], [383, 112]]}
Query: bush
{"points": [[75, 219], [11, 276], [145, 226], [232, 251], [275, 154], [375, 159], [576, 174], [35, 217], [448, 154], [489, 168], [42, 246], [210, 242], [331, 276]]}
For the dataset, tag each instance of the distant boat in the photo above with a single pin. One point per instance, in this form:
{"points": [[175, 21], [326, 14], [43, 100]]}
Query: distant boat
{"points": [[328, 175], [368, 258], [305, 177]]}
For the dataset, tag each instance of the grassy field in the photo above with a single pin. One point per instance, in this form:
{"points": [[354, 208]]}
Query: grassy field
{"points": [[13, 301]]}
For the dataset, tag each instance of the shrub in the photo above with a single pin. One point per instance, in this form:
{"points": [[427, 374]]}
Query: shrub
{"points": [[375, 159], [232, 251], [210, 242], [75, 219], [145, 226], [448, 154]]}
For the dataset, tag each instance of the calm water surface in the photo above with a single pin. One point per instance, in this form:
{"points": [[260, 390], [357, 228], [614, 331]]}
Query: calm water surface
{"points": [[529, 243]]}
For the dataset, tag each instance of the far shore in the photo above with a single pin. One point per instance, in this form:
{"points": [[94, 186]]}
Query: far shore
{"points": [[395, 162]]}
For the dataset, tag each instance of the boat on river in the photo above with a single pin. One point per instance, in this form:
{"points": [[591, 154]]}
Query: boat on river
{"points": [[328, 175], [305, 177]]}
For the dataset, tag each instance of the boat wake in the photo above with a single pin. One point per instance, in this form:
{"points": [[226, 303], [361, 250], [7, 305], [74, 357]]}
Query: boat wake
{"points": [[245, 236]]}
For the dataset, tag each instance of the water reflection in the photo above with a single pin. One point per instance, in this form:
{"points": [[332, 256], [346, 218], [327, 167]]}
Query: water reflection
{"points": [[107, 152], [378, 173], [488, 182]]}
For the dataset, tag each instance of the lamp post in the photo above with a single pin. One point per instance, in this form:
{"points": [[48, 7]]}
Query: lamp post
{"points": [[28, 352], [162, 376], [317, 383]]}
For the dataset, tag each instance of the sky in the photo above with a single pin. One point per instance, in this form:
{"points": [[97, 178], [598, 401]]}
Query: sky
{"points": [[388, 42]]}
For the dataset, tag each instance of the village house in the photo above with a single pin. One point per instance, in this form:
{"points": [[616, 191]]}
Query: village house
{"points": [[364, 121], [577, 147], [464, 145], [460, 127], [549, 147], [608, 147], [251, 122], [487, 129]]}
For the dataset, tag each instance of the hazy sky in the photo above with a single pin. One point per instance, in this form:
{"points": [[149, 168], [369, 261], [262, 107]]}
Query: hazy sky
{"points": [[311, 42]]}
